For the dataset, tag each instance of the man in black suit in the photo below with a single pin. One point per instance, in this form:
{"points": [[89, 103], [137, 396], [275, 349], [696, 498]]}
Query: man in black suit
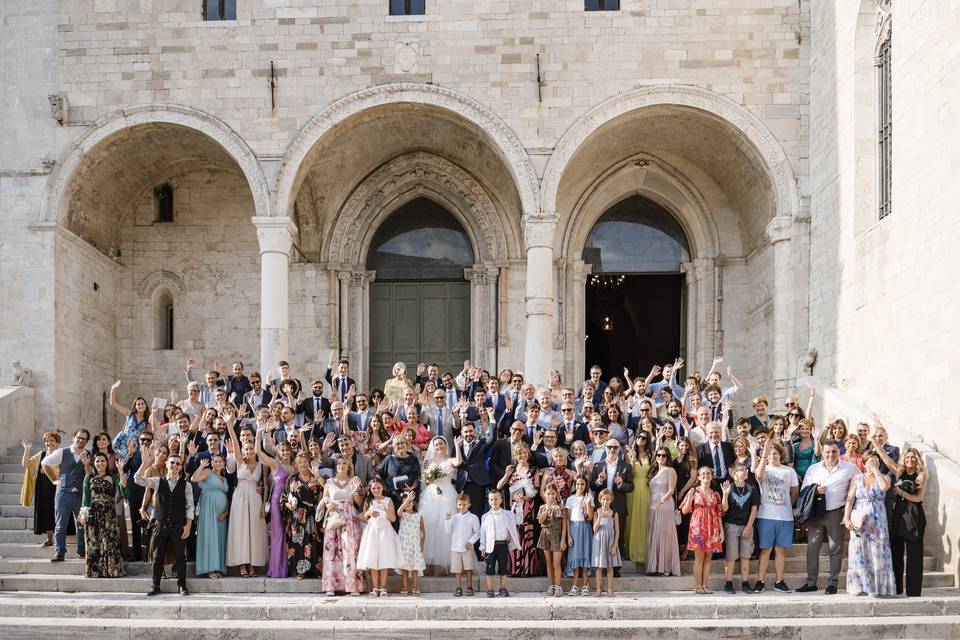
{"points": [[135, 496], [315, 408], [570, 430], [257, 396], [716, 454], [342, 384], [433, 375], [615, 474], [473, 452]]}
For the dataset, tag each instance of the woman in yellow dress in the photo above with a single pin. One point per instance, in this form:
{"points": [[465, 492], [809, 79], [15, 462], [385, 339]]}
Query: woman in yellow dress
{"points": [[640, 456], [394, 387]]}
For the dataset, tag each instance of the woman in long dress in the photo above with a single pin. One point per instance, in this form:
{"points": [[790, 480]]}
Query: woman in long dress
{"points": [[99, 519], [394, 388], [342, 494], [247, 531], [212, 516], [303, 494], [38, 489], [280, 469], [870, 563], [438, 498], [521, 480], [638, 502], [663, 551]]}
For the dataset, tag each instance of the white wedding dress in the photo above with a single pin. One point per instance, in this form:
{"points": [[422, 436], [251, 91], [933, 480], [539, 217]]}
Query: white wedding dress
{"points": [[434, 507]]}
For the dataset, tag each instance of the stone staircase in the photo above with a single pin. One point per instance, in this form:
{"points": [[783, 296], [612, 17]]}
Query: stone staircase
{"points": [[34, 591]]}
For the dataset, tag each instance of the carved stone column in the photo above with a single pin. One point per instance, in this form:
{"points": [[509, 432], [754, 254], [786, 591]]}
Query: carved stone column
{"points": [[483, 314], [780, 233], [275, 236], [575, 355], [538, 233]]}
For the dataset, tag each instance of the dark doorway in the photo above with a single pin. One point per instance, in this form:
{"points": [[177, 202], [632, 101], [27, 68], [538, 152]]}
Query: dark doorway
{"points": [[633, 321], [635, 297]]}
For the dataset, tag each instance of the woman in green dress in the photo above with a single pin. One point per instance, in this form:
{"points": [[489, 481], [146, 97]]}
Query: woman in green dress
{"points": [[212, 516], [99, 519], [640, 456]]}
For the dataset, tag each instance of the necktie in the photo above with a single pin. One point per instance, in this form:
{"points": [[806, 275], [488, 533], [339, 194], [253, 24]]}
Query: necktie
{"points": [[451, 398], [466, 449], [343, 389], [437, 418], [316, 408], [717, 462]]}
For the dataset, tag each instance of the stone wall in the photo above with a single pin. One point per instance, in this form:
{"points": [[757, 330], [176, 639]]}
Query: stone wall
{"points": [[883, 293]]}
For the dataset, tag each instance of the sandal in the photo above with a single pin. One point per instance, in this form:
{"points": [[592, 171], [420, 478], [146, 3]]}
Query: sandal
{"points": [[46, 543], [403, 593], [415, 593], [698, 590]]}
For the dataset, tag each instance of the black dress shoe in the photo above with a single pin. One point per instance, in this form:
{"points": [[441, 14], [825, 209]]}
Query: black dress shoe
{"points": [[807, 588], [616, 572], [155, 591], [184, 591], [831, 590]]}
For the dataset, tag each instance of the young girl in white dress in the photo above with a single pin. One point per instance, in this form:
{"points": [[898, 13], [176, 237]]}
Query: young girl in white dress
{"points": [[411, 541], [380, 548], [438, 497]]}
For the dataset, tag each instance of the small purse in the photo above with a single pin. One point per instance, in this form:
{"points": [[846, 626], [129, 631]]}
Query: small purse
{"points": [[334, 521], [678, 517]]}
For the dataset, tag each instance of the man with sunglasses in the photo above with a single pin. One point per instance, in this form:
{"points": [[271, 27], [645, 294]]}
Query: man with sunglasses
{"points": [[135, 494], [74, 462], [258, 395], [570, 429], [439, 418], [615, 474], [172, 518]]}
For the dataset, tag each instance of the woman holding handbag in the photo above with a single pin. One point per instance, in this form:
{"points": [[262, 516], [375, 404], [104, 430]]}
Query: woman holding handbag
{"points": [[909, 522], [342, 495], [870, 564], [302, 493]]}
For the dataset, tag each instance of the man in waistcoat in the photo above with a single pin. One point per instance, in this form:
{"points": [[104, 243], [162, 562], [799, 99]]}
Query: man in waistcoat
{"points": [[73, 461], [172, 516]]}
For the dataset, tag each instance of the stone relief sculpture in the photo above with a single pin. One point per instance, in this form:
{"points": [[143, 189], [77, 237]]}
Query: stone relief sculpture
{"points": [[22, 377]]}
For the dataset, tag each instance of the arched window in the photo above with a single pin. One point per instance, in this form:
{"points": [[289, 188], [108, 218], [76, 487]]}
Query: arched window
{"points": [[601, 5], [636, 235], [884, 123], [163, 320], [420, 241]]}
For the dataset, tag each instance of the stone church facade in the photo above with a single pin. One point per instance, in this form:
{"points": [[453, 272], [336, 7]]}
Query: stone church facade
{"points": [[289, 137]]}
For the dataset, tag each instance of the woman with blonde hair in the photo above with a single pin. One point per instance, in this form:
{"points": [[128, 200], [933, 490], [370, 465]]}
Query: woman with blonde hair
{"points": [[394, 388], [343, 494], [909, 522]]}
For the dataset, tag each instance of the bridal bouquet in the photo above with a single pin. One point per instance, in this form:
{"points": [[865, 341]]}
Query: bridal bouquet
{"points": [[432, 475]]}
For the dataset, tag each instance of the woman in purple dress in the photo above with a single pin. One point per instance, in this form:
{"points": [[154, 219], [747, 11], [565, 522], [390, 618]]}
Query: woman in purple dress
{"points": [[280, 469]]}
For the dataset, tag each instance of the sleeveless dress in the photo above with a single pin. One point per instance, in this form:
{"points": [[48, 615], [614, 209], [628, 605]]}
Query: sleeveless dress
{"points": [[580, 553], [663, 550], [132, 429], [247, 532], [638, 511], [278, 542], [437, 499], [410, 542], [380, 545], [870, 564], [602, 541], [341, 545], [525, 561], [211, 533], [706, 521]]}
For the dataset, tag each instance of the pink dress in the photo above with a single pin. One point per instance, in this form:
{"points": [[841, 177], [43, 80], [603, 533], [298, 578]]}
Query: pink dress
{"points": [[340, 546]]}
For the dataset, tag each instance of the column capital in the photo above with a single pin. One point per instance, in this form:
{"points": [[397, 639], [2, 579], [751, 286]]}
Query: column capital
{"points": [[538, 229], [275, 234], [780, 229]]}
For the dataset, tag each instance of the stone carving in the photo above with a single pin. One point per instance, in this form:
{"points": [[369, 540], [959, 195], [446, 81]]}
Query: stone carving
{"points": [[539, 231], [55, 202], [161, 278], [769, 149], [275, 234], [507, 143], [780, 229], [407, 56], [806, 363], [400, 181], [58, 107], [22, 377]]}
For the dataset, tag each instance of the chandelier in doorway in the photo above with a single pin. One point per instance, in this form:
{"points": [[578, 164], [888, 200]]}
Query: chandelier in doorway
{"points": [[607, 282]]}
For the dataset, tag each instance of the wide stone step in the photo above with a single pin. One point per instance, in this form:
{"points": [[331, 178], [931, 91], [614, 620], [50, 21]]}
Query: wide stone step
{"points": [[683, 629], [10, 488], [13, 523], [16, 510], [136, 583], [521, 606], [12, 499]]}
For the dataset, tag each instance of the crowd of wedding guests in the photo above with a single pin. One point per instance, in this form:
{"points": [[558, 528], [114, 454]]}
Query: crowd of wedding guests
{"points": [[466, 472]]}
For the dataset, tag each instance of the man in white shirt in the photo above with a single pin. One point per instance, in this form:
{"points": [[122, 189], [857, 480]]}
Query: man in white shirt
{"points": [[73, 462], [832, 477]]}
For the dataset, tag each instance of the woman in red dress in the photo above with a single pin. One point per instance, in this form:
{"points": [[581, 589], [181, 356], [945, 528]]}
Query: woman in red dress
{"points": [[706, 527]]}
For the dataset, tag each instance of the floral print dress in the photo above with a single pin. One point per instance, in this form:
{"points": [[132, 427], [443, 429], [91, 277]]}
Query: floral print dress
{"points": [[102, 531], [870, 567], [304, 542], [706, 522], [410, 542]]}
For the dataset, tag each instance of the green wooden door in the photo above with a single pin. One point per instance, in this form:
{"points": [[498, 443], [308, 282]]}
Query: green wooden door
{"points": [[414, 322]]}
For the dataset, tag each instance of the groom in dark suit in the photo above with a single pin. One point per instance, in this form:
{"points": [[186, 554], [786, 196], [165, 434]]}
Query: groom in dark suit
{"points": [[474, 453]]}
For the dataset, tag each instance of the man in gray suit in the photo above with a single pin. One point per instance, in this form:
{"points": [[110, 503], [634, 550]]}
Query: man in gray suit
{"points": [[362, 466], [439, 418]]}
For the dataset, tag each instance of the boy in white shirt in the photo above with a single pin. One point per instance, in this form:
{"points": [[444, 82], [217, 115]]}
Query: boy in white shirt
{"points": [[465, 530], [498, 537]]}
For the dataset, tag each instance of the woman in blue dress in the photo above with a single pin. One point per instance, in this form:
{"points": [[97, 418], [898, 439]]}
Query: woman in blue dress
{"points": [[870, 563], [137, 420], [212, 517]]}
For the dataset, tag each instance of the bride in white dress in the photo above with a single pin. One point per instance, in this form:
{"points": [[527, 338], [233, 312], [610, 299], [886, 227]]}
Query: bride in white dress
{"points": [[438, 497]]}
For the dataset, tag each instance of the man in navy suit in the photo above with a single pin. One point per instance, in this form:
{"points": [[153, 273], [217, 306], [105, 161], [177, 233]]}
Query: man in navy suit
{"points": [[716, 454], [316, 407], [473, 452], [342, 384]]}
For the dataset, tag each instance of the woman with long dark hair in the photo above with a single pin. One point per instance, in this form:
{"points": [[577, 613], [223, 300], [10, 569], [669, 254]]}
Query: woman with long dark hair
{"points": [[137, 419], [99, 518]]}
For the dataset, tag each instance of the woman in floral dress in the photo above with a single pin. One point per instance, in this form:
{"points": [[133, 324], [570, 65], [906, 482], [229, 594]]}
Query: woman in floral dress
{"points": [[342, 494], [870, 562], [99, 519], [303, 492], [706, 527]]}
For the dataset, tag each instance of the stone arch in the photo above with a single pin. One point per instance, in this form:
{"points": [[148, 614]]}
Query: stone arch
{"points": [[502, 137], [768, 149], [55, 200], [404, 179], [161, 279]]}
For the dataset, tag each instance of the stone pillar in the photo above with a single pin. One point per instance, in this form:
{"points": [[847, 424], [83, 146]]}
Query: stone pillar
{"points": [[276, 237], [483, 315], [701, 288], [538, 232], [780, 233]]}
